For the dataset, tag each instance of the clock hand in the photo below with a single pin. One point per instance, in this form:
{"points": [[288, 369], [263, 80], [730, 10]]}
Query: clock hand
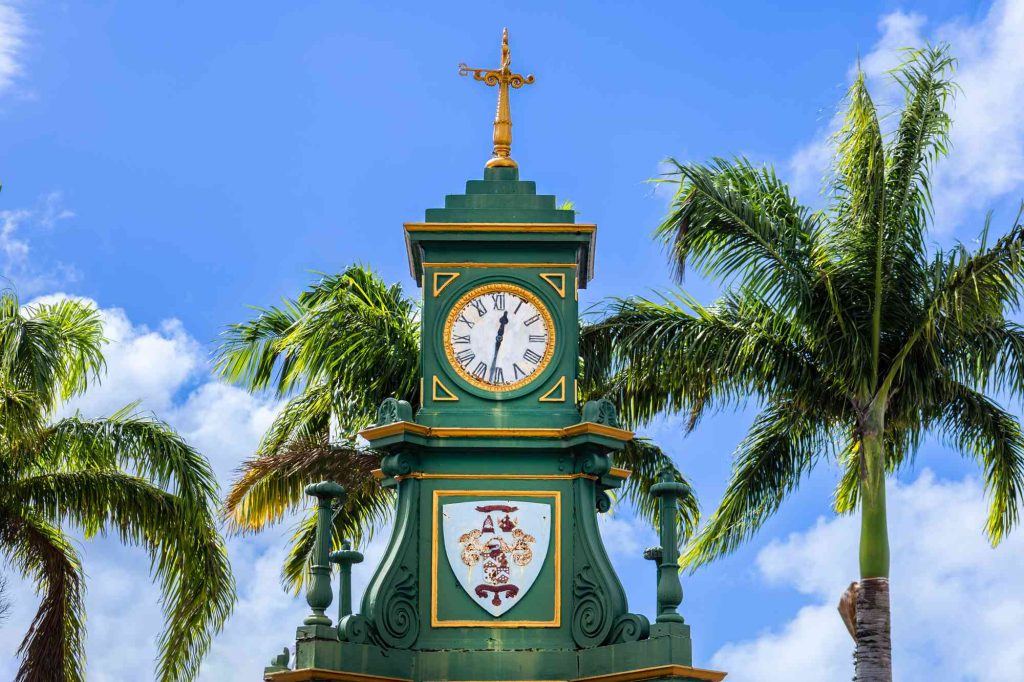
{"points": [[497, 342]]}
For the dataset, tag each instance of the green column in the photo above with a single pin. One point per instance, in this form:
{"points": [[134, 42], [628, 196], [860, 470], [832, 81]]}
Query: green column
{"points": [[345, 557], [318, 589], [670, 590]]}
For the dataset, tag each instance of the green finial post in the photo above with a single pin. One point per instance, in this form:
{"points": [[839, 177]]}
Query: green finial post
{"points": [[318, 590], [345, 557], [670, 590]]}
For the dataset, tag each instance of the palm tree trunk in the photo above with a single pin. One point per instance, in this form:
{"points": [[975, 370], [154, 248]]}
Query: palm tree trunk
{"points": [[873, 659]]}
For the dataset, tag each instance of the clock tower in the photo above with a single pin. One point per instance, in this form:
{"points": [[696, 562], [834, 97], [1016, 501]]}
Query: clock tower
{"points": [[495, 569]]}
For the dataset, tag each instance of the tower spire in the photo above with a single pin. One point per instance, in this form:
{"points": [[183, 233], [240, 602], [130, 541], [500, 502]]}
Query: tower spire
{"points": [[503, 78]]}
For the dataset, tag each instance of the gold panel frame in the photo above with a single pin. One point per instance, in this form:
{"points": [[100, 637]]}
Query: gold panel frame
{"points": [[555, 548]]}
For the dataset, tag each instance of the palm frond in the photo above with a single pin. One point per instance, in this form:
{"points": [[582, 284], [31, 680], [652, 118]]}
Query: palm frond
{"points": [[784, 443], [51, 349], [920, 139], [269, 486], [731, 219], [858, 219], [189, 560], [968, 292], [253, 353], [135, 442], [677, 355], [348, 523], [53, 647], [974, 424], [645, 460]]}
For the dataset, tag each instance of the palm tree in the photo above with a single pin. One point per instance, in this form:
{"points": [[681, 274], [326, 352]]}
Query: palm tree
{"points": [[128, 474], [853, 334], [344, 345]]}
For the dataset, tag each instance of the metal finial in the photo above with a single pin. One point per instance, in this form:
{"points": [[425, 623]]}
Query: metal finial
{"points": [[503, 78]]}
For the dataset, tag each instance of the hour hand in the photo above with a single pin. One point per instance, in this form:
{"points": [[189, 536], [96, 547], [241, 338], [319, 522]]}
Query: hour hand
{"points": [[501, 329]]}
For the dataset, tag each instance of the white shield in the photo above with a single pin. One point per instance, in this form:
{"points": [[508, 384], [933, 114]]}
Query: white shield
{"points": [[496, 548]]}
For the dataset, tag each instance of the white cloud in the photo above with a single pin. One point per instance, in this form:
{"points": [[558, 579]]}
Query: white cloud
{"points": [[899, 30], [16, 225], [624, 535], [986, 162], [807, 169], [987, 159], [956, 600], [12, 42]]}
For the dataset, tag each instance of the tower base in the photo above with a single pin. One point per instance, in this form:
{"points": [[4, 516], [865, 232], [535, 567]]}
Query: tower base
{"points": [[665, 655]]}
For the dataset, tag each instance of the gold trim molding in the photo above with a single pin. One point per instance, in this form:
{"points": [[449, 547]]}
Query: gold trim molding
{"points": [[584, 428], [567, 228], [638, 675], [491, 477], [652, 673], [656, 672], [557, 554], [478, 264], [322, 674]]}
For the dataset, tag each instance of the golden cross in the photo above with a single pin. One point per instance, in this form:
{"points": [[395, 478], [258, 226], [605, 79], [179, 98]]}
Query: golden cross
{"points": [[503, 78]]}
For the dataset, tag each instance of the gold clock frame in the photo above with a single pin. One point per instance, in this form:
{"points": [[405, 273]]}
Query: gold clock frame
{"points": [[516, 290]]}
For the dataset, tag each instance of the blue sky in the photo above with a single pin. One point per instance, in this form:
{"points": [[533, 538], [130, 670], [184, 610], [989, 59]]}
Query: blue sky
{"points": [[176, 162]]}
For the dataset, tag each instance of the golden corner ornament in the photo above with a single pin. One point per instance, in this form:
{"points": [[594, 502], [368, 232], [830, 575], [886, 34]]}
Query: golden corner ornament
{"points": [[495, 568]]}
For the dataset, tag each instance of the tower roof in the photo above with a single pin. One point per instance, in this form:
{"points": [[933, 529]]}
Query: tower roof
{"points": [[502, 210]]}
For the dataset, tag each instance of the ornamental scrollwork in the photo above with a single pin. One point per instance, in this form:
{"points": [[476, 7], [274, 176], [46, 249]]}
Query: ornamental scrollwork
{"points": [[398, 623], [629, 627], [399, 464], [591, 617], [354, 628]]}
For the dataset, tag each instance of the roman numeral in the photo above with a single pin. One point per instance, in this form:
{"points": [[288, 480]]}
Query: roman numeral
{"points": [[517, 372], [538, 338], [480, 371], [465, 357], [497, 375], [481, 309], [530, 356], [460, 339], [532, 320], [521, 302], [499, 301], [462, 318]]}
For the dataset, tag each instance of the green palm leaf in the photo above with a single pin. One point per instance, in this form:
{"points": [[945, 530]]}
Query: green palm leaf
{"points": [[129, 474]]}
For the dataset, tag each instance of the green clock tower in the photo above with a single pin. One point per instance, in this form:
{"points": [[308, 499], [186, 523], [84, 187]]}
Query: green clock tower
{"points": [[495, 569]]}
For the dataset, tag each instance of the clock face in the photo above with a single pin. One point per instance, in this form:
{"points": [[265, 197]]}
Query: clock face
{"points": [[499, 337]]}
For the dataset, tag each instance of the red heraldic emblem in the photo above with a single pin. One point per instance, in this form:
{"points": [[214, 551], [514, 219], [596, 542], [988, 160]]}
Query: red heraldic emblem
{"points": [[496, 548]]}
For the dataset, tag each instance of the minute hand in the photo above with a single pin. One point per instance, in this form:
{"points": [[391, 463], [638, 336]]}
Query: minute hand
{"points": [[497, 342]]}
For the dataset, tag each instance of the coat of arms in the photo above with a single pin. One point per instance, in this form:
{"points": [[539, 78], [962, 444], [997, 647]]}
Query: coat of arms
{"points": [[496, 548]]}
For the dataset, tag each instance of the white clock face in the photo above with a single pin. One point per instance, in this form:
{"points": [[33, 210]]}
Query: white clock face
{"points": [[499, 337]]}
